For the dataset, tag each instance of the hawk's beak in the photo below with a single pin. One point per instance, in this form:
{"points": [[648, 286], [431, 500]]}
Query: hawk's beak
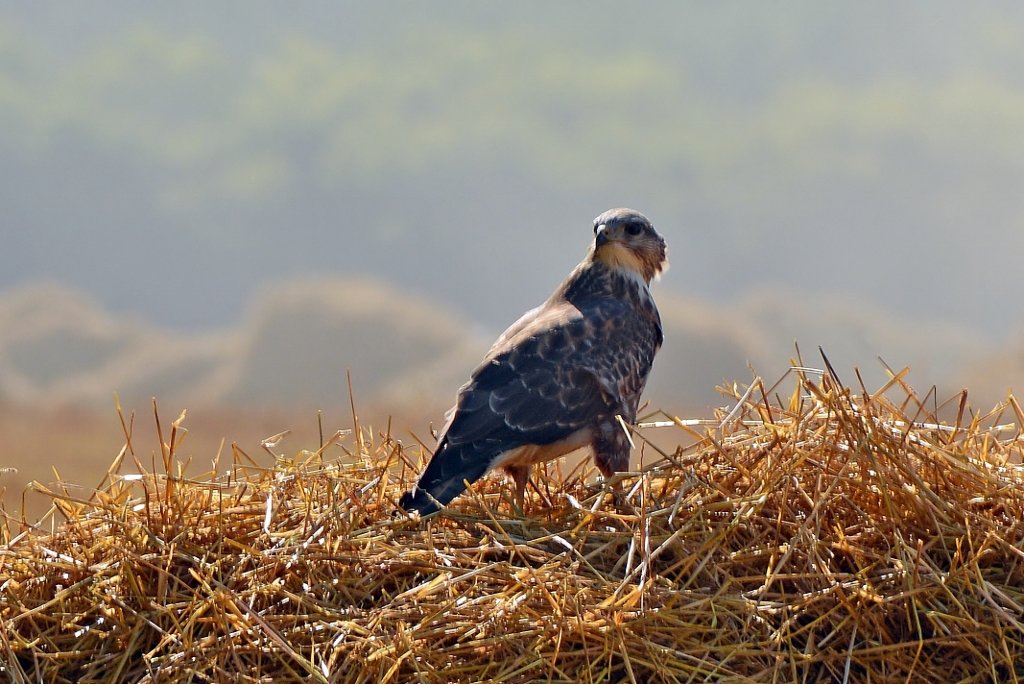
{"points": [[601, 235]]}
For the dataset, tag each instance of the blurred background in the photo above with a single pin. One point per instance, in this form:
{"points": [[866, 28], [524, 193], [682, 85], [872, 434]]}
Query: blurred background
{"points": [[229, 206]]}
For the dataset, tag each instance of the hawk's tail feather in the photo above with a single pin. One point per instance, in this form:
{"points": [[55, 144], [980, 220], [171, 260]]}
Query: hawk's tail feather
{"points": [[445, 478], [419, 501]]}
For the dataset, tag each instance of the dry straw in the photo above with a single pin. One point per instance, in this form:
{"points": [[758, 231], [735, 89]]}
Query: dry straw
{"points": [[827, 535]]}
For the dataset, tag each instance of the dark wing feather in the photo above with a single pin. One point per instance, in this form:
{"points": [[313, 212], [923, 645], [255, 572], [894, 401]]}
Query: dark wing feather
{"points": [[529, 393]]}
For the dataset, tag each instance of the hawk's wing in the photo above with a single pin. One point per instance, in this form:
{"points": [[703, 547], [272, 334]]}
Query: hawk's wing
{"points": [[555, 373]]}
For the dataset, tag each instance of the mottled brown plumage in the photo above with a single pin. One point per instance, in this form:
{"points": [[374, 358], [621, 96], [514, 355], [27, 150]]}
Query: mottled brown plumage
{"points": [[560, 376]]}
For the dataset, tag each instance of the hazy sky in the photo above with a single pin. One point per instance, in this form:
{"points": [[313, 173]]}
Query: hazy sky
{"points": [[173, 160]]}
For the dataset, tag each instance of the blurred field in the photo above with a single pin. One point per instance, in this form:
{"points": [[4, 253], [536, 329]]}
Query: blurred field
{"points": [[79, 444]]}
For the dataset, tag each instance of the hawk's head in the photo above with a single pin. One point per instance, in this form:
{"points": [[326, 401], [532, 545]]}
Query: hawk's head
{"points": [[625, 239]]}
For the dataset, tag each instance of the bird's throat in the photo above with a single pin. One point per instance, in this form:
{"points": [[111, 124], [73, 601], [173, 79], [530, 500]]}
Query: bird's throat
{"points": [[618, 257]]}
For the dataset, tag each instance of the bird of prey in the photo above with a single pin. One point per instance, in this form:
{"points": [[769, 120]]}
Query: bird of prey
{"points": [[568, 374]]}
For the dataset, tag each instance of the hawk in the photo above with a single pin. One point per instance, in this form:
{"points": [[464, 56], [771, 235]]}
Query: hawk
{"points": [[564, 376]]}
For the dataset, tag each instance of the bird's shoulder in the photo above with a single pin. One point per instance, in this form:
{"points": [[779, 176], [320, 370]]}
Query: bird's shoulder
{"points": [[549, 318]]}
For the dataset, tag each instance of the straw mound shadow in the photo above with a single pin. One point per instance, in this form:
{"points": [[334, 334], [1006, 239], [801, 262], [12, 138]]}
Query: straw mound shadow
{"points": [[825, 536], [300, 337], [291, 350], [60, 347]]}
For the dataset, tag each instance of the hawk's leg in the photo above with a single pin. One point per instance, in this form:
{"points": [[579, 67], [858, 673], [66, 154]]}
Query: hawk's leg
{"points": [[520, 475], [611, 448], [611, 454]]}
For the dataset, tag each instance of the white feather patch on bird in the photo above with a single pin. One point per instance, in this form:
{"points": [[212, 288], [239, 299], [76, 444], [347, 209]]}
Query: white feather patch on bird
{"points": [[620, 257]]}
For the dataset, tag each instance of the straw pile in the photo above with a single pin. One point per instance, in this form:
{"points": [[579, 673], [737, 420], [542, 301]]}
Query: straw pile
{"points": [[827, 535]]}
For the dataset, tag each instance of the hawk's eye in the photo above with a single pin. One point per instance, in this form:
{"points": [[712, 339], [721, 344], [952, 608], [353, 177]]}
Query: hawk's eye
{"points": [[634, 228]]}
